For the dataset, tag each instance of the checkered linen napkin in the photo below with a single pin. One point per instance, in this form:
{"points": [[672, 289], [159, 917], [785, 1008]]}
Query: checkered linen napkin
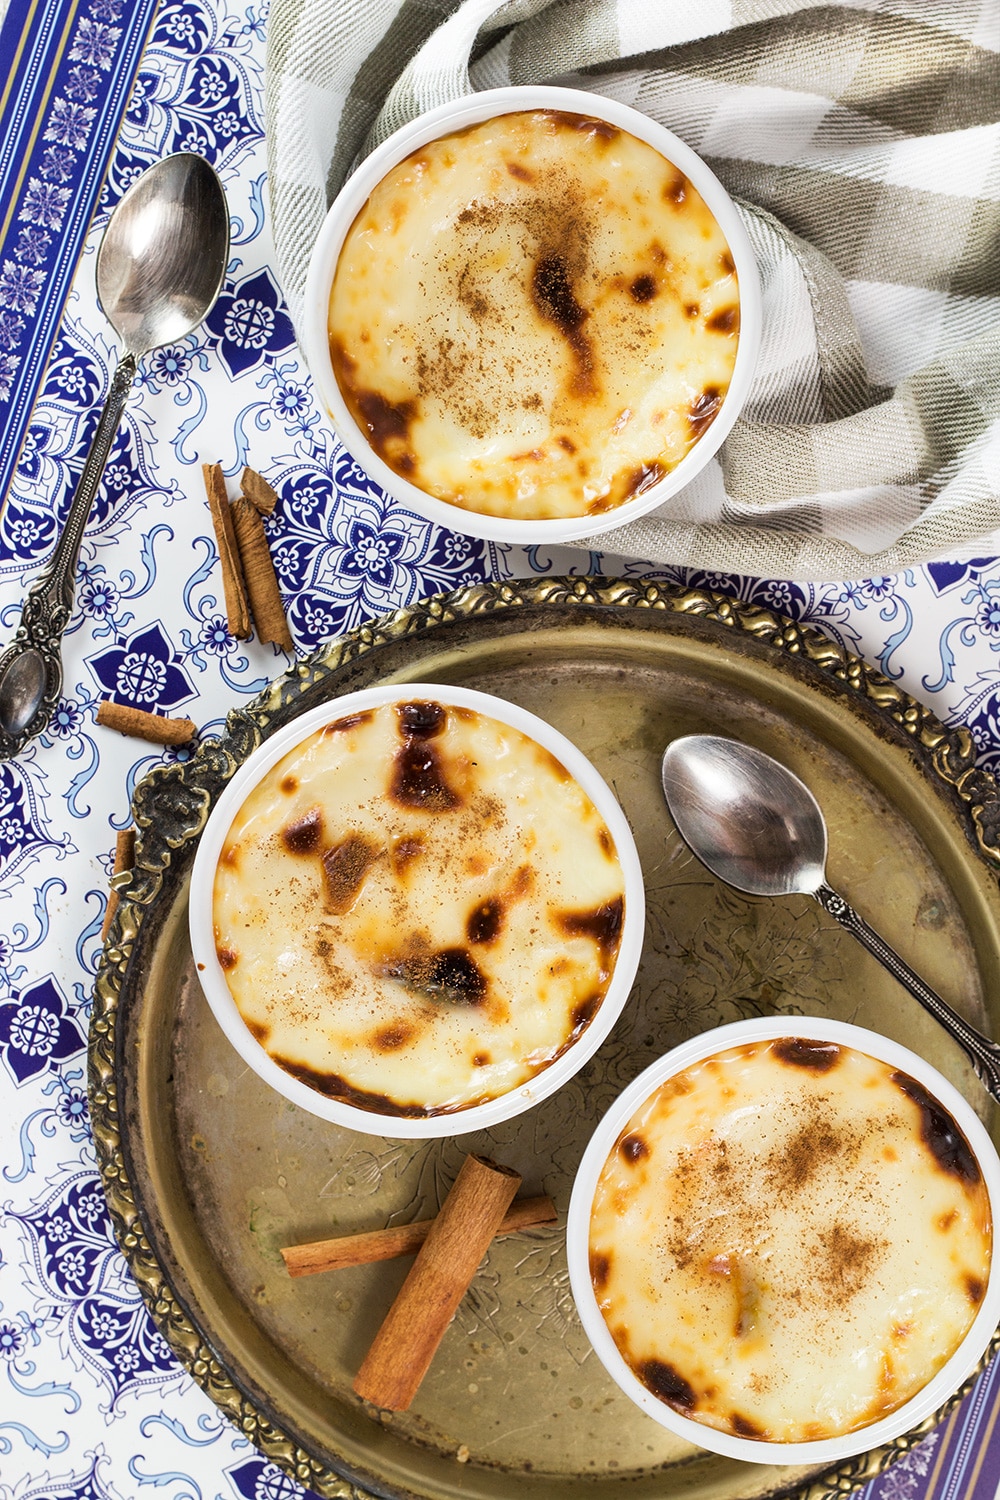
{"points": [[861, 142]]}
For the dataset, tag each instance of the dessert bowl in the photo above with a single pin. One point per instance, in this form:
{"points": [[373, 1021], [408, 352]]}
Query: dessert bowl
{"points": [[808, 1207], [417, 910], [504, 365]]}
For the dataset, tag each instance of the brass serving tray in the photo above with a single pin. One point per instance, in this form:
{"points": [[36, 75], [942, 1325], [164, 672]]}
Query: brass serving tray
{"points": [[208, 1172]]}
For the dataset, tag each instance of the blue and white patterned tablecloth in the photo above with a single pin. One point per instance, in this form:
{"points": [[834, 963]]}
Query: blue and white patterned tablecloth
{"points": [[92, 1404]]}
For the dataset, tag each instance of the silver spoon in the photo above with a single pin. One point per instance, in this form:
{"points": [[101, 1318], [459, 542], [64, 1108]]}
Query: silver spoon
{"points": [[756, 826], [159, 270]]}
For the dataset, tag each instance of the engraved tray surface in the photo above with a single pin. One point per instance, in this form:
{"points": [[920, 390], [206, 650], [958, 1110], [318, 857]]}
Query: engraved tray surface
{"points": [[208, 1172]]}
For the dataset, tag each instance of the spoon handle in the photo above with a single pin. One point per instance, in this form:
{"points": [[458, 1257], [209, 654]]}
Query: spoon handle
{"points": [[33, 686], [983, 1053]]}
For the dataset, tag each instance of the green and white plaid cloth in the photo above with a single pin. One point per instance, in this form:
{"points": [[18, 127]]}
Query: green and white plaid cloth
{"points": [[862, 144]]}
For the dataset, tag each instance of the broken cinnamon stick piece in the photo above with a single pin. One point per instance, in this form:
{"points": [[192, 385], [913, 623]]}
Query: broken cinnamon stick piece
{"points": [[438, 1279], [233, 589], [124, 860], [258, 491], [143, 726], [258, 571], [403, 1239]]}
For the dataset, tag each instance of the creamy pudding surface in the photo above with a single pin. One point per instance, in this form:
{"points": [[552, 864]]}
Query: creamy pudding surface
{"points": [[789, 1239], [417, 909], [534, 317]]}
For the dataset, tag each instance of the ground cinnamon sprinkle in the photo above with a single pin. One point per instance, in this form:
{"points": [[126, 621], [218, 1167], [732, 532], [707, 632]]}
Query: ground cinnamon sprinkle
{"points": [[553, 228], [813, 1145], [719, 1171], [847, 1263]]}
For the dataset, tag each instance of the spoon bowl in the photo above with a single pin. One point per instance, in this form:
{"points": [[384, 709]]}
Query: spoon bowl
{"points": [[753, 823], [159, 271], [164, 252], [756, 826]]}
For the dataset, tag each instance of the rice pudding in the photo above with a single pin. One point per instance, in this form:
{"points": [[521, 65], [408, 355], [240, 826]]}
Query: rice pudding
{"points": [[534, 317], [417, 909], [789, 1239]]}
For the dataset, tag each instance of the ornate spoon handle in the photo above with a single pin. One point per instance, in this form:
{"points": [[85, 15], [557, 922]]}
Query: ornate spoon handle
{"points": [[31, 667], [983, 1054]]}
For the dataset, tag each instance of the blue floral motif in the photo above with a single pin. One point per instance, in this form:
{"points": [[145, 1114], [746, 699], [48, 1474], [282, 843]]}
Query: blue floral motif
{"points": [[371, 550], [290, 399], [344, 552], [946, 575], [12, 1340], [20, 286], [83, 83], [212, 639], [8, 369], [24, 822], [74, 374], [26, 533], [73, 1111], [96, 595], [979, 710], [170, 365], [985, 598], [85, 1290], [878, 588], [37, 1031], [45, 202], [250, 323], [11, 329], [95, 43], [371, 555], [214, 636], [33, 246], [70, 1108], [88, 1483], [62, 424], [988, 613], [143, 671], [66, 721], [260, 1479], [293, 559], [198, 89], [59, 163]]}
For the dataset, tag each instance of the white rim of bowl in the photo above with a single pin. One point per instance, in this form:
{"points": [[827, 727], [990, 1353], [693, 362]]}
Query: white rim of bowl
{"points": [[925, 1401], [212, 977], [456, 115]]}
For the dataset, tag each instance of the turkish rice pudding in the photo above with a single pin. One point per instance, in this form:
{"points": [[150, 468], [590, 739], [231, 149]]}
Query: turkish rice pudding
{"points": [[789, 1239], [534, 317], [417, 909]]}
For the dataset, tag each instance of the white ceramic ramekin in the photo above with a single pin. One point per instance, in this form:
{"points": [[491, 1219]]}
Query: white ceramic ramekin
{"points": [[212, 975], [828, 1450], [457, 115]]}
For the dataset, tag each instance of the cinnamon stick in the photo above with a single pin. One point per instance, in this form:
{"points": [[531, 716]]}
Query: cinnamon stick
{"points": [[258, 571], [233, 589], [257, 490], [438, 1279], [403, 1239], [155, 728], [124, 860]]}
